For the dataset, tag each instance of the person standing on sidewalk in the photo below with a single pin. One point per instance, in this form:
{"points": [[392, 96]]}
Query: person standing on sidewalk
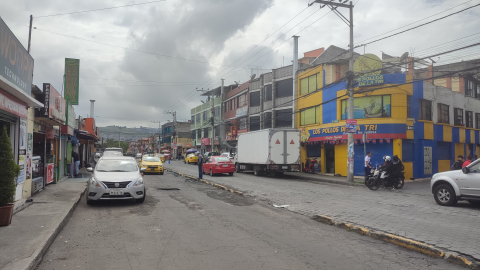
{"points": [[468, 161], [458, 164], [76, 159], [368, 164], [200, 166]]}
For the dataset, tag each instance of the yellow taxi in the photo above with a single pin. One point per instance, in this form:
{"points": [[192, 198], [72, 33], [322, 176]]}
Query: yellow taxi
{"points": [[152, 163], [191, 158], [162, 157]]}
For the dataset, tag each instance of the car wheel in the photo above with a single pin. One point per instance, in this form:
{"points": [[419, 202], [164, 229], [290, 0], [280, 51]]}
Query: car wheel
{"points": [[256, 171], [89, 202], [211, 173], [230, 173], [474, 202], [445, 195], [142, 199]]}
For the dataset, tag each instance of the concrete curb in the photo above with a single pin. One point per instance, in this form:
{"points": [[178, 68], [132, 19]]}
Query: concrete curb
{"points": [[330, 181], [403, 242], [37, 256], [207, 182]]}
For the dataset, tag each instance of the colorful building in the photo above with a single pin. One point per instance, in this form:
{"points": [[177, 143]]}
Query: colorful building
{"points": [[425, 125]]}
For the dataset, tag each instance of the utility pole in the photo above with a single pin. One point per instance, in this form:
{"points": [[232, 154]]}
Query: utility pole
{"points": [[159, 134], [30, 33], [295, 68], [222, 123], [213, 120], [350, 76], [174, 114]]}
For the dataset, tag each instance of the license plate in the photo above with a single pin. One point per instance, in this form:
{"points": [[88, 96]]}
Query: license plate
{"points": [[285, 167], [116, 192], [225, 165]]}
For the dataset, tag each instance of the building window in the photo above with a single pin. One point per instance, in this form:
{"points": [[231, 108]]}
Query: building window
{"points": [[197, 118], [193, 119], [231, 104], [409, 105], [284, 88], [217, 131], [199, 133], [194, 134], [308, 85], [267, 121], [469, 88], [225, 105], [425, 110], [254, 123], [309, 116], [268, 92], [205, 133], [255, 99], [469, 119], [242, 100], [458, 113], [477, 92], [205, 115], [283, 118], [217, 111], [368, 107], [477, 120], [443, 116]]}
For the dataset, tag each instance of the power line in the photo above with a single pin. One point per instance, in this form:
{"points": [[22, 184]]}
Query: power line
{"points": [[423, 24], [92, 10], [108, 79]]}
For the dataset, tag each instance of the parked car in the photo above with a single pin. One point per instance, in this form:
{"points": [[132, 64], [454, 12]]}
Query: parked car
{"points": [[230, 156], [116, 178], [218, 165], [117, 149], [138, 155], [152, 163], [191, 158], [452, 186], [206, 155]]}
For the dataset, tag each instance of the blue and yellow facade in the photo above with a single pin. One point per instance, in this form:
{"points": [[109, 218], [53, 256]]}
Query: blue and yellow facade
{"points": [[388, 118]]}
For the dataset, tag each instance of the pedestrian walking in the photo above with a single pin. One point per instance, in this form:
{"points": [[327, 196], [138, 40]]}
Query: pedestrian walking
{"points": [[368, 164], [200, 166], [76, 159], [468, 161], [458, 164]]}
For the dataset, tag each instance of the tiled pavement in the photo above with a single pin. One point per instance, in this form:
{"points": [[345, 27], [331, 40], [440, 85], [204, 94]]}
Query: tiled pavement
{"points": [[412, 215]]}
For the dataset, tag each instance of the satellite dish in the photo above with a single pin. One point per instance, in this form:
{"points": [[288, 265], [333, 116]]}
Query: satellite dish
{"points": [[403, 57], [252, 77]]}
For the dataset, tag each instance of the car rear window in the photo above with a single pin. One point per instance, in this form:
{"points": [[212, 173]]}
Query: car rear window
{"points": [[222, 159], [116, 165]]}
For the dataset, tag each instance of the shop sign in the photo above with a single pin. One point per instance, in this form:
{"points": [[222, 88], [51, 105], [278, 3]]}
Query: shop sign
{"points": [[368, 107], [22, 151], [72, 71], [374, 131], [230, 137], [240, 131], [67, 130], [49, 178], [50, 134], [243, 123], [409, 127], [205, 141], [351, 126], [13, 105], [16, 64], [29, 155], [216, 141], [241, 111]]}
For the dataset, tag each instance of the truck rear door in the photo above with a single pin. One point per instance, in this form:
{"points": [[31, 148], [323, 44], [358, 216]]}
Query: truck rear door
{"points": [[292, 147], [277, 147]]}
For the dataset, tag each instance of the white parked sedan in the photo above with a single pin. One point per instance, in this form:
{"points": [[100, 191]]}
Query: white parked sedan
{"points": [[116, 178]]}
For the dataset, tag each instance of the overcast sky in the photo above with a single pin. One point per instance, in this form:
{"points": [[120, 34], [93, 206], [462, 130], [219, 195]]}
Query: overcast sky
{"points": [[140, 60]]}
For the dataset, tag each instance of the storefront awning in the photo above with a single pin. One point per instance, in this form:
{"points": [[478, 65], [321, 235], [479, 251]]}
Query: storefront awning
{"points": [[21, 95], [49, 122], [80, 134]]}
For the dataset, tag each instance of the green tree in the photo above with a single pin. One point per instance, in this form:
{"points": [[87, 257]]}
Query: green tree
{"points": [[9, 169]]}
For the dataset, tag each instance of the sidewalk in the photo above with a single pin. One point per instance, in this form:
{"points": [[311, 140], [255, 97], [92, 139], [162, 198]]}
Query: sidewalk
{"points": [[328, 178], [33, 229]]}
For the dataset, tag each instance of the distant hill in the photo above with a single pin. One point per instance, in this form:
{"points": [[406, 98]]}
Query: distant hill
{"points": [[127, 134]]}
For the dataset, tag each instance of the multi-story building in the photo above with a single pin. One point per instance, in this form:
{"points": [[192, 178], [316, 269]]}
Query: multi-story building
{"points": [[175, 136], [425, 125], [201, 122]]}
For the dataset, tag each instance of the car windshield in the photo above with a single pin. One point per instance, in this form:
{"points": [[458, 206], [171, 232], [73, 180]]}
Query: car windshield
{"points": [[112, 154], [222, 159], [151, 159], [116, 165]]}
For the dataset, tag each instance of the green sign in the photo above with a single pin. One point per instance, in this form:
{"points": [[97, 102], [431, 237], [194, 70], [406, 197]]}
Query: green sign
{"points": [[72, 70]]}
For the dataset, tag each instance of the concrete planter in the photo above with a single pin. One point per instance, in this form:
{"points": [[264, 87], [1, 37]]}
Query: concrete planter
{"points": [[6, 213]]}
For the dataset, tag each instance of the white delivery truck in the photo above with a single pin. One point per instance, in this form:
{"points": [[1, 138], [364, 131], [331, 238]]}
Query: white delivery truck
{"points": [[268, 151]]}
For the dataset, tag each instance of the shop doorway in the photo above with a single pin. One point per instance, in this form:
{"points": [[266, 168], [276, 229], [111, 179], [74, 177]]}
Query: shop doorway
{"points": [[330, 158]]}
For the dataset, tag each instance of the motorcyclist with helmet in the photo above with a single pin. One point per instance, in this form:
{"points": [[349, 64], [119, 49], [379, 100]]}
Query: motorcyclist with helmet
{"points": [[393, 168]]}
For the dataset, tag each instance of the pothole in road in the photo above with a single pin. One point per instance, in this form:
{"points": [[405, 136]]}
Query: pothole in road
{"points": [[229, 198]]}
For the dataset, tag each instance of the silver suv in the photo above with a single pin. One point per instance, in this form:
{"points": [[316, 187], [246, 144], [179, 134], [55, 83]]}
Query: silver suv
{"points": [[452, 186]]}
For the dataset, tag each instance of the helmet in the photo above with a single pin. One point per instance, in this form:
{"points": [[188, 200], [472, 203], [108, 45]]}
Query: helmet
{"points": [[387, 158]]}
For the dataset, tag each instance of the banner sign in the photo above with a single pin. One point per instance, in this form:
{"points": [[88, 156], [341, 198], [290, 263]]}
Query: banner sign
{"points": [[16, 64], [375, 131], [351, 126], [241, 112], [49, 178], [72, 71], [369, 80], [22, 151], [368, 107], [71, 116], [11, 104]]}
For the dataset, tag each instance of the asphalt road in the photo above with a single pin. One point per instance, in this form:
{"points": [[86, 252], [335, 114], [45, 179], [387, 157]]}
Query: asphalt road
{"points": [[191, 225]]}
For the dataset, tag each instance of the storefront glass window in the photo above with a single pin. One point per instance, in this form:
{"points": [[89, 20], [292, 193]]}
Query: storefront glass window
{"points": [[368, 107]]}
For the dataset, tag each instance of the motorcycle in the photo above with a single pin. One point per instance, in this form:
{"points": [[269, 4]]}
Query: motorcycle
{"points": [[310, 166], [379, 179]]}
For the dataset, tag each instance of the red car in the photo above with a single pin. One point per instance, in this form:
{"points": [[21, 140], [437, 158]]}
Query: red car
{"points": [[218, 164]]}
